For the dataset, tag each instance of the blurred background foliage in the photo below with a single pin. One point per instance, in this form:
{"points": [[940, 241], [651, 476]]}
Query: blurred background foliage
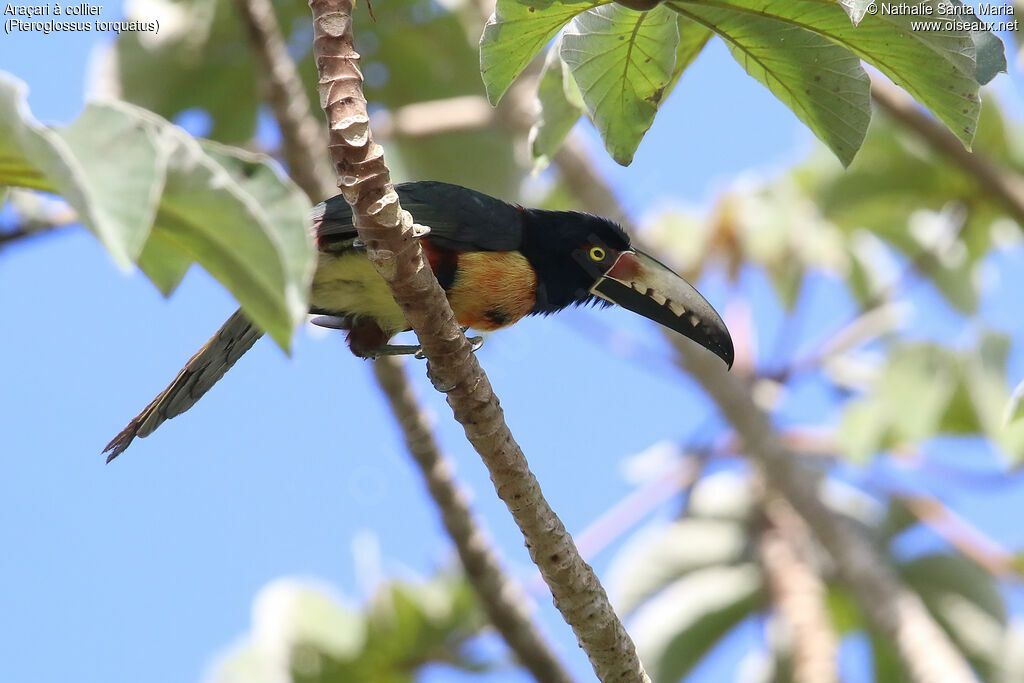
{"points": [[919, 377]]}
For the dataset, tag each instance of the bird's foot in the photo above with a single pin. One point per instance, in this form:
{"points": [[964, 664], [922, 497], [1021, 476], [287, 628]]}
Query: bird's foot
{"points": [[474, 342]]}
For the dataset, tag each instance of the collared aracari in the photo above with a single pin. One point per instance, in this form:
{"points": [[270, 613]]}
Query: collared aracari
{"points": [[497, 263]]}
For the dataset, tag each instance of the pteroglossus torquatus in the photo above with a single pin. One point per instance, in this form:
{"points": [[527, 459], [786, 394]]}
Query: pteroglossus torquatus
{"points": [[497, 263]]}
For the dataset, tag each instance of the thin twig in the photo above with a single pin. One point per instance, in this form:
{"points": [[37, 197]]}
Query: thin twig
{"points": [[962, 535], [388, 232], [502, 598]]}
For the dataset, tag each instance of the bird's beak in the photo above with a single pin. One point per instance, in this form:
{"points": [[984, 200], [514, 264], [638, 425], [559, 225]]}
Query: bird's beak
{"points": [[643, 285]]}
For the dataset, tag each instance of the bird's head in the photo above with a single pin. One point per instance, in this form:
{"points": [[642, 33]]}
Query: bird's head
{"points": [[581, 258]]}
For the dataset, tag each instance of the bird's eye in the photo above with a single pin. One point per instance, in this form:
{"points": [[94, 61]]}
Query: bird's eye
{"points": [[597, 254]]}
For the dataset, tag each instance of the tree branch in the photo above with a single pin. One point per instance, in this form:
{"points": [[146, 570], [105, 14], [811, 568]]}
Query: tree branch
{"points": [[387, 231], [894, 609], [1003, 184], [798, 594], [503, 599], [302, 139]]}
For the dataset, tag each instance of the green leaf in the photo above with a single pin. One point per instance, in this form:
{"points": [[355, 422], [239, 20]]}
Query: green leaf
{"points": [[623, 61], [985, 379], [168, 201], [692, 39], [990, 54], [238, 237], [821, 82], [676, 629], [936, 67], [107, 166], [557, 110], [907, 404], [515, 33], [651, 561]]}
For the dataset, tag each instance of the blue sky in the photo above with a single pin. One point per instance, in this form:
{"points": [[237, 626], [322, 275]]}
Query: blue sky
{"points": [[146, 569]]}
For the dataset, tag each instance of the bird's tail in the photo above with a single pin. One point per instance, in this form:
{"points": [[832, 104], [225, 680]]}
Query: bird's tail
{"points": [[202, 371]]}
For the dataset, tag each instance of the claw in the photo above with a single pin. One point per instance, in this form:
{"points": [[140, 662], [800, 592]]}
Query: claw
{"points": [[475, 343], [438, 384], [332, 322]]}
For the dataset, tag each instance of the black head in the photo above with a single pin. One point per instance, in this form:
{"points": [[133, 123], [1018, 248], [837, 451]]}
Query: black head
{"points": [[570, 251], [581, 258]]}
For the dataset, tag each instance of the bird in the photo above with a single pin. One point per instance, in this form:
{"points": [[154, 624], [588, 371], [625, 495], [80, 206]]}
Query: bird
{"points": [[497, 263]]}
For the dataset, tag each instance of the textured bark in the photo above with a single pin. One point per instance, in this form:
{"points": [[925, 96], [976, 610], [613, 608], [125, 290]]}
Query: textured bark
{"points": [[388, 232], [503, 599], [798, 594], [895, 610]]}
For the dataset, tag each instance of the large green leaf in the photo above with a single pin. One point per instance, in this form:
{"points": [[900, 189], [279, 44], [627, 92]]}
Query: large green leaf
{"points": [[515, 33], [907, 405], [676, 629], [821, 81], [559, 106], [623, 61], [937, 67], [106, 165], [650, 562], [152, 193], [560, 103], [692, 39]]}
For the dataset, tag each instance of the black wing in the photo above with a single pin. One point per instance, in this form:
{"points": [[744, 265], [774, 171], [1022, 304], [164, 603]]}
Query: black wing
{"points": [[459, 218]]}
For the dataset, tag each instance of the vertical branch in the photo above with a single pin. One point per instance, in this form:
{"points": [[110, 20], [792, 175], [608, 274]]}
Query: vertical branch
{"points": [[388, 232], [798, 594], [503, 599], [301, 138]]}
